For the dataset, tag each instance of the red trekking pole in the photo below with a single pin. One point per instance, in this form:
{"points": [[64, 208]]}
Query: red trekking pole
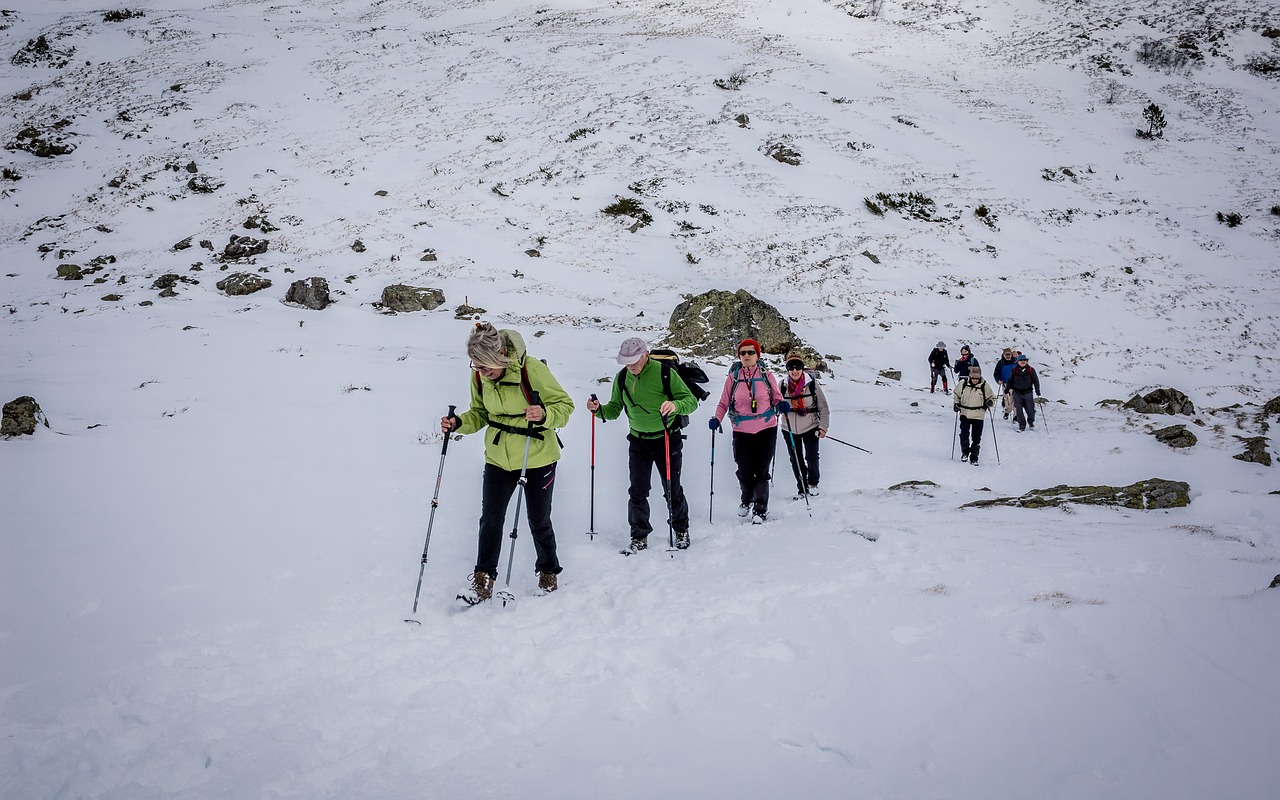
{"points": [[671, 533]]}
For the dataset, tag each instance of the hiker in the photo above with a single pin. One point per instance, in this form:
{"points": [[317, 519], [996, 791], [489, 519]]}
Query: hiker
{"points": [[939, 363], [753, 410], [963, 363], [520, 401], [1023, 380], [972, 399], [654, 432], [1001, 374], [806, 423]]}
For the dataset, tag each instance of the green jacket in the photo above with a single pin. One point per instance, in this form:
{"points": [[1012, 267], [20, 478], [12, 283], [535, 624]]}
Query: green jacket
{"points": [[646, 398], [502, 402]]}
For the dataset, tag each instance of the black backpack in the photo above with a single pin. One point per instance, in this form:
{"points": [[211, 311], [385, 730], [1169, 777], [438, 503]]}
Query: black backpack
{"points": [[692, 375]]}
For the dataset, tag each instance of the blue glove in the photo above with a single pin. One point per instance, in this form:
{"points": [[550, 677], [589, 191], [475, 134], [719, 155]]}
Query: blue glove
{"points": [[713, 424], [782, 407]]}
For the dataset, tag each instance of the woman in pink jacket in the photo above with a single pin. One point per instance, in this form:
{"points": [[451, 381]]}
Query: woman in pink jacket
{"points": [[752, 401]]}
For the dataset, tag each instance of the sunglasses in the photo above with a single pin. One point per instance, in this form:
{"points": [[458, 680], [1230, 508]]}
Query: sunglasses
{"points": [[795, 366], [746, 352]]}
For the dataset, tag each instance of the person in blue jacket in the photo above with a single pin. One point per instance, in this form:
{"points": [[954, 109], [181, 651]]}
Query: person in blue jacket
{"points": [[1001, 375]]}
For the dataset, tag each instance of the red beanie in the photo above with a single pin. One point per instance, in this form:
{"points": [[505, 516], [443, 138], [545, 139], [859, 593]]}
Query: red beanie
{"points": [[751, 342]]}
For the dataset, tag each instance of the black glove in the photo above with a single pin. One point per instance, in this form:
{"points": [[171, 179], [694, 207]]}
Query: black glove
{"points": [[713, 424], [955, 407], [990, 403]]}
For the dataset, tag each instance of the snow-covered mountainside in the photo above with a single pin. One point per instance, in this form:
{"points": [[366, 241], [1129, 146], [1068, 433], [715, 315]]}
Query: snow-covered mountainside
{"points": [[208, 555]]}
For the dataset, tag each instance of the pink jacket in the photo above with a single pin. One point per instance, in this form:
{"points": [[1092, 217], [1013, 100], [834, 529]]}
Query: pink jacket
{"points": [[755, 381]]}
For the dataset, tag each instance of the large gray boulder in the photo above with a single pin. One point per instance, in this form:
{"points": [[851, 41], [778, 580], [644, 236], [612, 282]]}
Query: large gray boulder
{"points": [[1162, 401], [242, 283], [712, 324], [407, 299], [1175, 436], [20, 417], [244, 247], [312, 293]]}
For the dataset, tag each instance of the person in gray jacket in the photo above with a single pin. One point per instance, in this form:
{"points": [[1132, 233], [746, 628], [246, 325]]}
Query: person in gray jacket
{"points": [[972, 399], [805, 424]]}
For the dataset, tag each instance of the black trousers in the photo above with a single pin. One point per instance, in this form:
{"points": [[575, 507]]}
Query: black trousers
{"points": [[970, 446], [753, 453], [643, 455], [935, 373], [1024, 407], [803, 451], [499, 484]]}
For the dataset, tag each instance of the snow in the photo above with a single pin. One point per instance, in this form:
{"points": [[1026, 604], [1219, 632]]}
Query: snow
{"points": [[207, 559]]}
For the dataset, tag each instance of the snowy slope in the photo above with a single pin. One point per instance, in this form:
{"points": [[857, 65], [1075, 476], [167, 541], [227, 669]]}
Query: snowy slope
{"points": [[208, 558]]}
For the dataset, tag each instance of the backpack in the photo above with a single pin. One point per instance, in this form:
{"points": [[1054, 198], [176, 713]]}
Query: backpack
{"points": [[527, 390], [733, 389], [692, 375], [810, 395]]}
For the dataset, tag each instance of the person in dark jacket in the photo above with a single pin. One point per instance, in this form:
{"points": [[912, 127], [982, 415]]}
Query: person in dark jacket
{"points": [[972, 399], [1023, 381], [939, 363], [963, 363]]}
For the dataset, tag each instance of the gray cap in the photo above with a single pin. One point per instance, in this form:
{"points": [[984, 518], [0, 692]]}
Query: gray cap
{"points": [[631, 351], [942, 345], [975, 372]]}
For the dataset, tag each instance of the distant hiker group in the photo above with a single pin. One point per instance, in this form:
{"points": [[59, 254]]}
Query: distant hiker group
{"points": [[1018, 383]]}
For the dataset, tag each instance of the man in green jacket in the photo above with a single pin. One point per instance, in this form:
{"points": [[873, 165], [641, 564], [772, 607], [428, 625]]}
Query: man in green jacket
{"points": [[522, 404], [652, 415]]}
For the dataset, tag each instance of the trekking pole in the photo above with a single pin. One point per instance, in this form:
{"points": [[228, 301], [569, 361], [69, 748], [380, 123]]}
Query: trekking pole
{"points": [[954, 428], [505, 594], [994, 440], [847, 444], [431, 520], [1042, 414], [711, 501], [591, 530], [795, 467], [671, 531]]}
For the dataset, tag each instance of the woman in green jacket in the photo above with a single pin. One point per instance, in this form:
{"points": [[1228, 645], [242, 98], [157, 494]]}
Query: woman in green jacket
{"points": [[522, 404]]}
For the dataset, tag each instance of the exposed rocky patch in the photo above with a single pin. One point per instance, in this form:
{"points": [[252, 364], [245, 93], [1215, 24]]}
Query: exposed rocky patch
{"points": [[1161, 401], [1255, 450], [312, 293], [244, 247], [20, 417], [1153, 493], [406, 299], [242, 283], [47, 141], [1175, 436], [39, 52]]}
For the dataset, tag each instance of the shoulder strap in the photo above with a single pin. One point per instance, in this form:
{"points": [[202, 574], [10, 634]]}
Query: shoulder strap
{"points": [[666, 379]]}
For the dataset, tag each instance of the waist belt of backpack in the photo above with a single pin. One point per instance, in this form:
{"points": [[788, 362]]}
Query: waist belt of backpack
{"points": [[973, 408], [736, 418], [535, 432]]}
